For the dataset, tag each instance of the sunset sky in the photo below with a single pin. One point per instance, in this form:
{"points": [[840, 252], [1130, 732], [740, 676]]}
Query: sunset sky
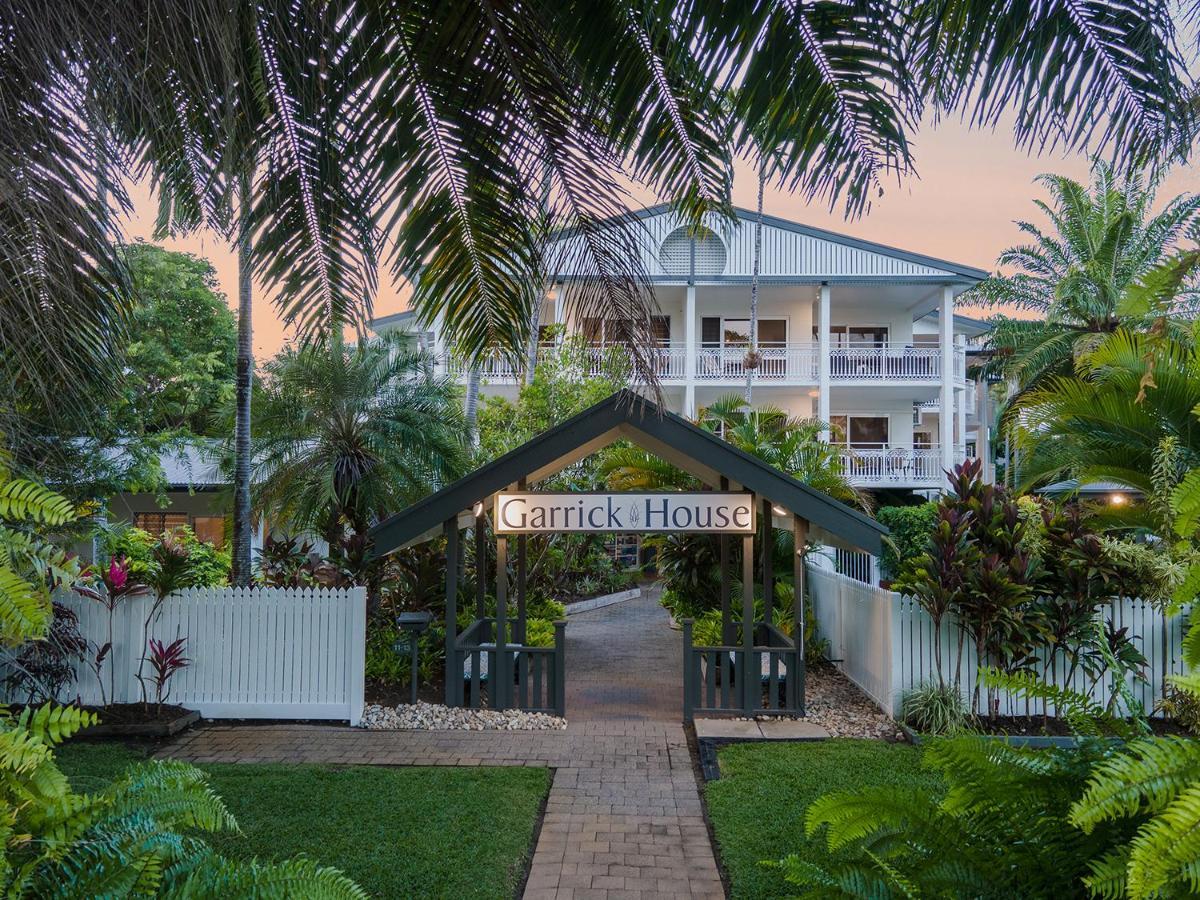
{"points": [[970, 187]]}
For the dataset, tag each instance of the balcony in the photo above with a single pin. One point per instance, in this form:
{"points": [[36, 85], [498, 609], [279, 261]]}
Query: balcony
{"points": [[784, 364], [893, 467]]}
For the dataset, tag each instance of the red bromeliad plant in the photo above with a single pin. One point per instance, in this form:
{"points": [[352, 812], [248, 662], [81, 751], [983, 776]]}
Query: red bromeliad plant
{"points": [[166, 660]]}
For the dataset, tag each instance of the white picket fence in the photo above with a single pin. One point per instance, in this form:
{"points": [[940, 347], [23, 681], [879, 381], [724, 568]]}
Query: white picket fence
{"points": [[256, 653], [884, 643]]}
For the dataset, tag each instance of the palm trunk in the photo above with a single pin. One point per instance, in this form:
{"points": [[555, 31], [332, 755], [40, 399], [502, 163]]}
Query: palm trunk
{"points": [[241, 568], [758, 223], [472, 406]]}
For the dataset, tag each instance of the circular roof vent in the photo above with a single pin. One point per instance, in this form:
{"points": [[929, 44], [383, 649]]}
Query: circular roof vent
{"points": [[675, 254]]}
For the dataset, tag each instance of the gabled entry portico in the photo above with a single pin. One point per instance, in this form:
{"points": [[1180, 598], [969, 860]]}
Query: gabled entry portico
{"points": [[741, 494]]}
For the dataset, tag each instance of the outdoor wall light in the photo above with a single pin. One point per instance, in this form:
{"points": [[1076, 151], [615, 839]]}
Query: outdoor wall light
{"points": [[477, 509], [1117, 499], [779, 510]]}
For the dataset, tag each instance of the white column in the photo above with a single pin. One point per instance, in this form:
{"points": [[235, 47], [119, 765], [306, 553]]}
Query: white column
{"points": [[960, 400], [689, 362], [823, 329], [983, 444], [946, 413], [439, 349], [559, 312]]}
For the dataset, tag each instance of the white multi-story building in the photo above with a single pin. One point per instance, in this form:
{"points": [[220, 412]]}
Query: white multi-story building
{"points": [[856, 334]]}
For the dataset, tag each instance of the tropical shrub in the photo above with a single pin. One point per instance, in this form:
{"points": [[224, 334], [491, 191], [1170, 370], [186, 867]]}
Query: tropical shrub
{"points": [[140, 836], [45, 668], [166, 660], [935, 709], [1023, 581], [206, 566], [291, 562], [910, 527], [539, 633]]}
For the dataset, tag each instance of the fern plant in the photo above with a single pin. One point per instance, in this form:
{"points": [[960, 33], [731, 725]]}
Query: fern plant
{"points": [[1000, 830], [1154, 782], [135, 838], [29, 565]]}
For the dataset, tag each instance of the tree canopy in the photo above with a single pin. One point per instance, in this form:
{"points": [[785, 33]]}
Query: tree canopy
{"points": [[179, 362]]}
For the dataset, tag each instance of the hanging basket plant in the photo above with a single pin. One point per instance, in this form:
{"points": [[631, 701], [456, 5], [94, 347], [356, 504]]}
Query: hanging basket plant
{"points": [[752, 359]]}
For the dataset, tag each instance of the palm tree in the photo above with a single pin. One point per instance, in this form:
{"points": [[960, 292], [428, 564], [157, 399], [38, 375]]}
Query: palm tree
{"points": [[450, 117], [240, 568], [1101, 424], [752, 358], [790, 444], [345, 435], [1080, 276]]}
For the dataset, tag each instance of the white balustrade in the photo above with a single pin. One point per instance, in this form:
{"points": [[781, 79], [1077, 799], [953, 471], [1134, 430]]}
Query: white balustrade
{"points": [[781, 363], [794, 363], [886, 362], [892, 467]]}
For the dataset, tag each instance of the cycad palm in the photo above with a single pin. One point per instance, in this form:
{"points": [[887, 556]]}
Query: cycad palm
{"points": [[346, 435], [1077, 276]]}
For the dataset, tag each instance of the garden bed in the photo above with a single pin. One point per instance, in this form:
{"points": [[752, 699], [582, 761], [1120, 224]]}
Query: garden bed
{"points": [[137, 721]]}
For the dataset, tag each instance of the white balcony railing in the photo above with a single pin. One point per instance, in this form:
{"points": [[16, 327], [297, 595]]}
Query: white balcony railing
{"points": [[894, 467], [778, 364], [886, 362]]}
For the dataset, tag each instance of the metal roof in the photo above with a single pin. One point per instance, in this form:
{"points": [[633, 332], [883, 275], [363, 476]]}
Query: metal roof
{"points": [[627, 415], [792, 252]]}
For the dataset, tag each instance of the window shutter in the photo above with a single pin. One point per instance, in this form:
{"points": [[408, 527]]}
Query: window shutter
{"points": [[710, 331]]}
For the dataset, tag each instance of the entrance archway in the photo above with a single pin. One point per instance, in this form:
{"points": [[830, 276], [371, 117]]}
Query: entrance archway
{"points": [[757, 669]]}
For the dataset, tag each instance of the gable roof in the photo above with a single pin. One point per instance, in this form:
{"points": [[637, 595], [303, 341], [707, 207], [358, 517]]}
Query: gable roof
{"points": [[793, 253], [627, 415]]}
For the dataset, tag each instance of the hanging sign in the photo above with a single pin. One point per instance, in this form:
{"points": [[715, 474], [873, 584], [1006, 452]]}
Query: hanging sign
{"points": [[699, 511]]}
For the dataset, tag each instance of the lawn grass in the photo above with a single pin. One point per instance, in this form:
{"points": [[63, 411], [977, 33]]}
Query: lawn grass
{"points": [[398, 832], [757, 806]]}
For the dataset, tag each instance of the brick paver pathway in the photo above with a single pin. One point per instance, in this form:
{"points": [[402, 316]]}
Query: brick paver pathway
{"points": [[623, 818]]}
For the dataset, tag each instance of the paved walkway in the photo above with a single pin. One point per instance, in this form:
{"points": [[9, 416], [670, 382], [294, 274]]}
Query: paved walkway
{"points": [[623, 818]]}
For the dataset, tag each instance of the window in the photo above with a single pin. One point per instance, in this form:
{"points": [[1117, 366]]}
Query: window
{"points": [[855, 335], [772, 332], [922, 440], [598, 332], [210, 529], [736, 332], [863, 432], [158, 522]]}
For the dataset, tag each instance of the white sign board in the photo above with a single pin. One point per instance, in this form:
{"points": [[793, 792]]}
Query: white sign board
{"points": [[699, 511]]}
